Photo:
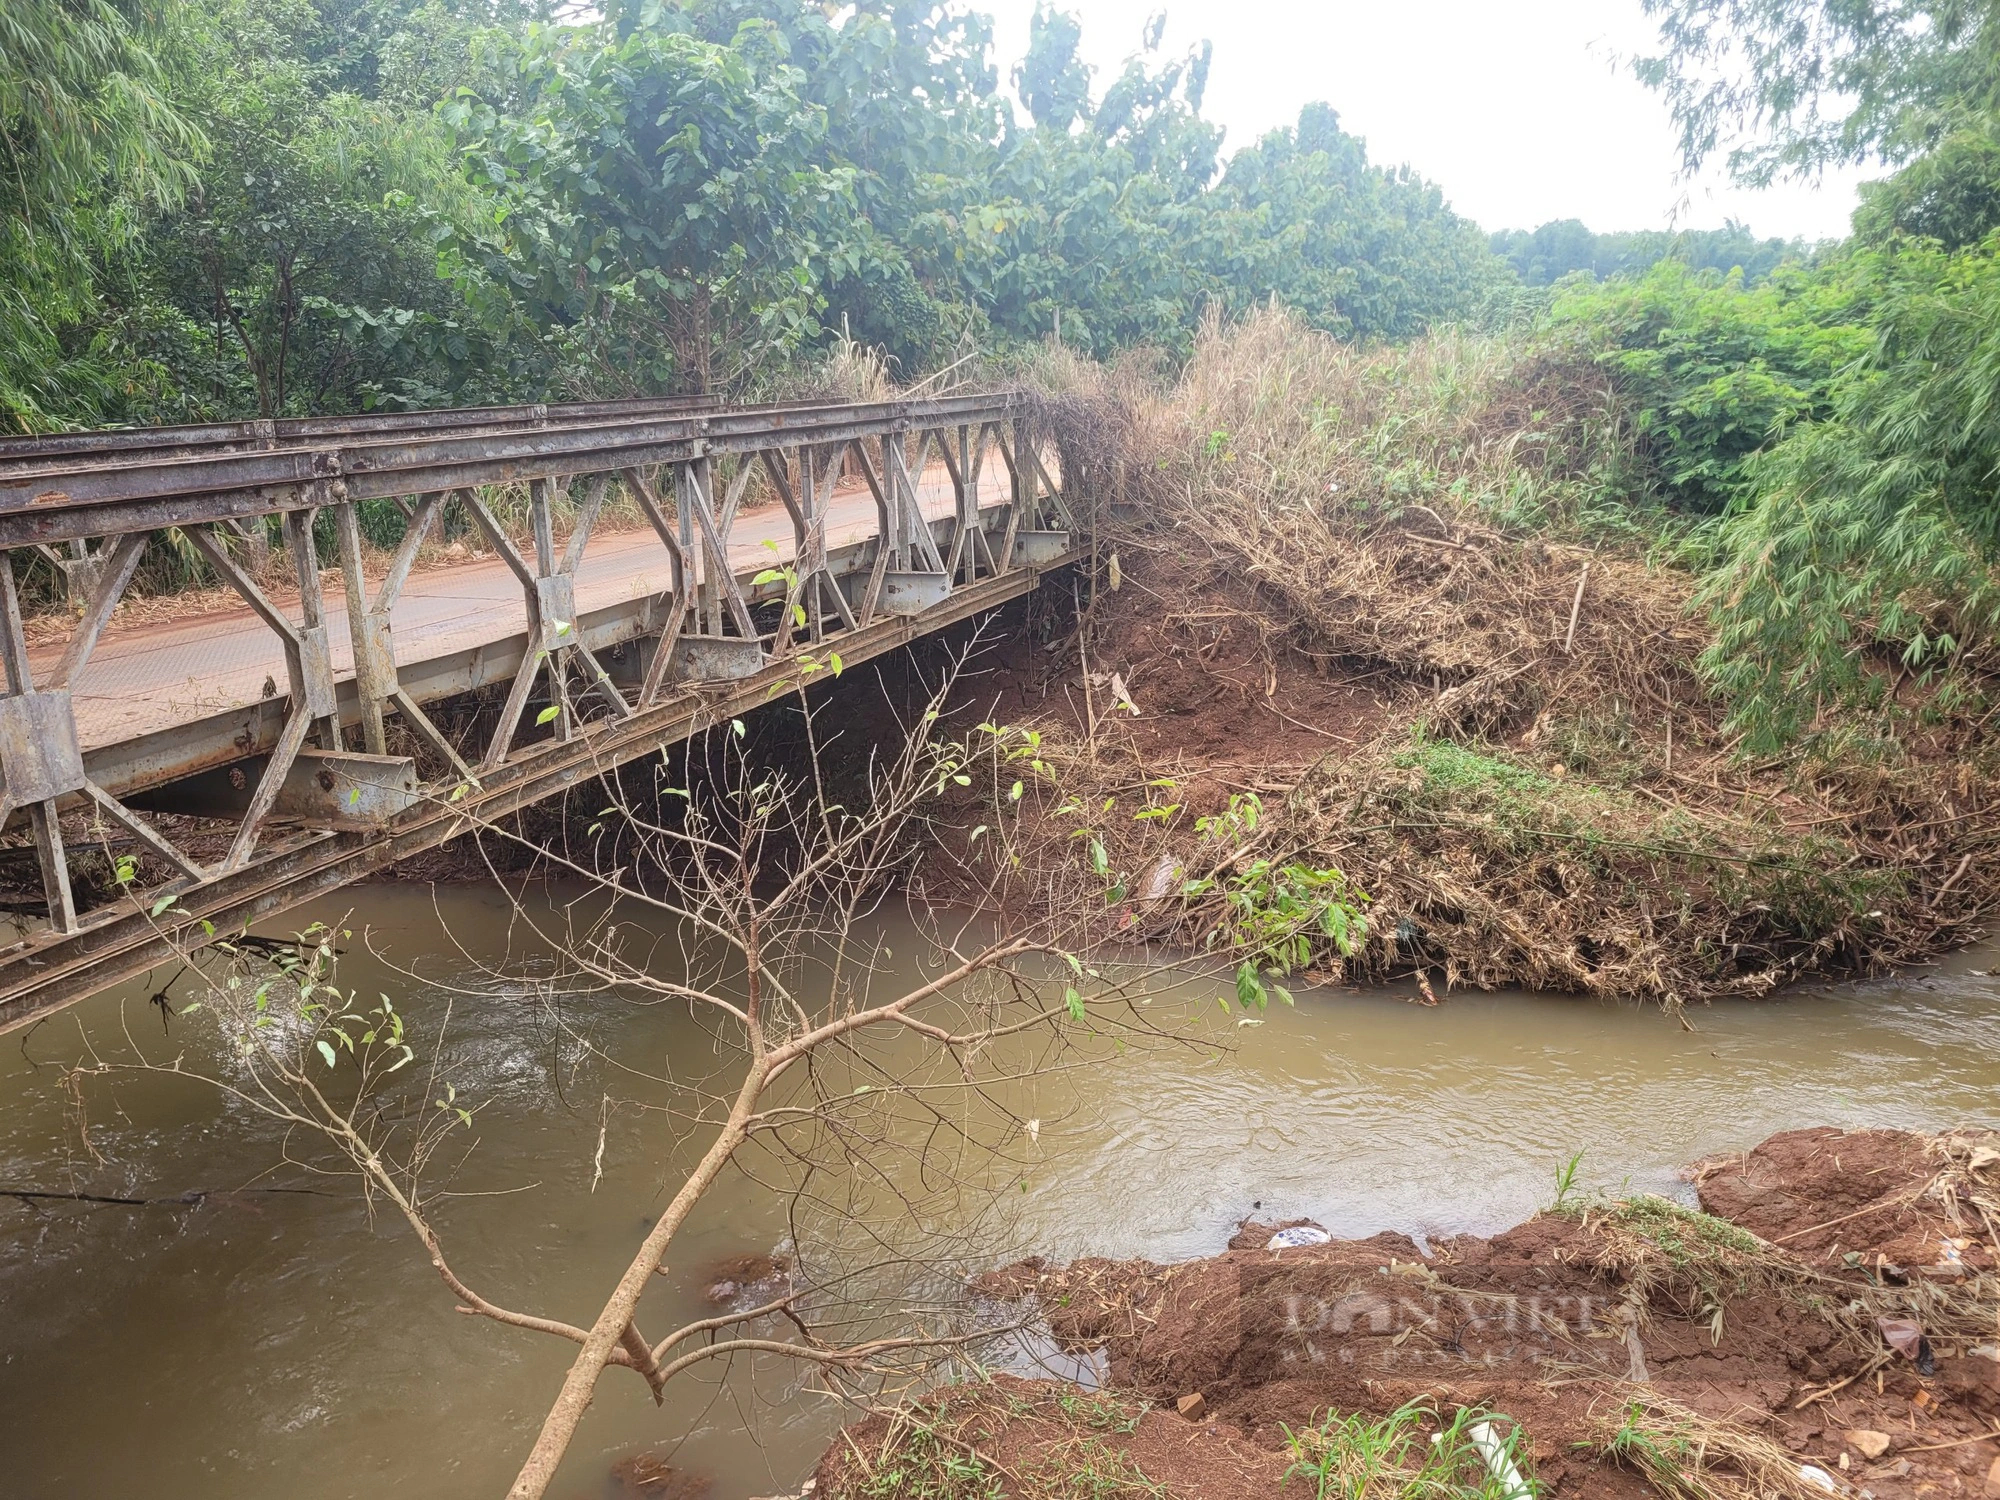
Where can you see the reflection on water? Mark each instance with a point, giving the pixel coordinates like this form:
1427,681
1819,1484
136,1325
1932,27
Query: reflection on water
262,1343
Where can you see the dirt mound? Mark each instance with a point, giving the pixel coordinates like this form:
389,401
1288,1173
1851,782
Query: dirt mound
1547,821
1880,1198
1038,1438
1612,1341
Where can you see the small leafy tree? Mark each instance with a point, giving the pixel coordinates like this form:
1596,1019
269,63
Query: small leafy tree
748,897
655,189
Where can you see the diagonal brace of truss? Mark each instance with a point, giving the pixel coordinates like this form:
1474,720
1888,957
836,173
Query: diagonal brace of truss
549,589
308,663
375,680
813,588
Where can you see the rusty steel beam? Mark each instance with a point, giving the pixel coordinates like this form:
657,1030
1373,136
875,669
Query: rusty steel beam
123,943
114,494
292,432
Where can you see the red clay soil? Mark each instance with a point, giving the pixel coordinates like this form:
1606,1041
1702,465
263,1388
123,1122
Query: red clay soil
1827,1194
1599,835
1218,690
1559,1324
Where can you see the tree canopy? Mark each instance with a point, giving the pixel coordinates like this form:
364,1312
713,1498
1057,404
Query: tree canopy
1563,247
280,206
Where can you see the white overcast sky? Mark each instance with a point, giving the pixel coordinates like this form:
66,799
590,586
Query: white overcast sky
1522,110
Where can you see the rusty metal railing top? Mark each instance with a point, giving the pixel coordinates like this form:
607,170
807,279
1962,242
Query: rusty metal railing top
65,497
33,449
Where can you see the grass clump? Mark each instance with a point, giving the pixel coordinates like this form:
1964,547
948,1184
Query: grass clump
1075,1461
923,1459
1497,867
1357,1457
1062,1444
1695,1262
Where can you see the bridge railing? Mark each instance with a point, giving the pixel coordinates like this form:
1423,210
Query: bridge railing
283,768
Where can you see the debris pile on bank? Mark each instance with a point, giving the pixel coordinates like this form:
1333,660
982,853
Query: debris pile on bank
1382,593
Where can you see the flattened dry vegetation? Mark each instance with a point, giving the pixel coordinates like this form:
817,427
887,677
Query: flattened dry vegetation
1398,613
1605,1348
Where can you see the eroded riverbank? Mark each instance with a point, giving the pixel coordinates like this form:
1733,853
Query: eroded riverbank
1823,1322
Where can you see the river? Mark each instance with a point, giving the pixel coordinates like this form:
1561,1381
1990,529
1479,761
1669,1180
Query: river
263,1344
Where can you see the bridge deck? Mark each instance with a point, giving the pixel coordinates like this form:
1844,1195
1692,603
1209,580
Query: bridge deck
144,679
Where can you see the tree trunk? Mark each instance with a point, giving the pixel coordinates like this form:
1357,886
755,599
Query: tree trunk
580,1385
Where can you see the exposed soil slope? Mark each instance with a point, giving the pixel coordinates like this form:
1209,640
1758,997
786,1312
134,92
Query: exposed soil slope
1610,1337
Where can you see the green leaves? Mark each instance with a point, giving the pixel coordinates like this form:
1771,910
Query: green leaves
647,164
1274,909
1249,987
1876,521
1812,84
95,147
1710,370
450,1105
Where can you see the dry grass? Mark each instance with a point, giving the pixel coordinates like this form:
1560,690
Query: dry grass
1689,1456
1695,1265
1071,1447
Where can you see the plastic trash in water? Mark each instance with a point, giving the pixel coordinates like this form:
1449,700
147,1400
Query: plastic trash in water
1298,1234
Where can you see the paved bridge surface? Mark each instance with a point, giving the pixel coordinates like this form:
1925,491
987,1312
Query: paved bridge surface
258,754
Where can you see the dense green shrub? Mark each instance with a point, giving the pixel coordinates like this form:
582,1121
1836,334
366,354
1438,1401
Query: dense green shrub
1879,520
1711,369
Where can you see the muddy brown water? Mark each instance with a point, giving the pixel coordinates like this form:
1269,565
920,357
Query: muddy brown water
287,1344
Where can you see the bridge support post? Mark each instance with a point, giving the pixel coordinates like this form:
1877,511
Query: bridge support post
313,707
555,635
706,594
375,680
813,588
961,462
921,580
40,753
368,649
35,776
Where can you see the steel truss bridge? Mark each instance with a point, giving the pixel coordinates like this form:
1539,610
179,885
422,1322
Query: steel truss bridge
275,719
